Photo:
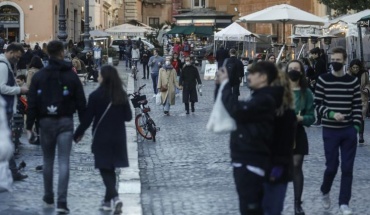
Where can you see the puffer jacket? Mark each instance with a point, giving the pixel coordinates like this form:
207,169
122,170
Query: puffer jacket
250,143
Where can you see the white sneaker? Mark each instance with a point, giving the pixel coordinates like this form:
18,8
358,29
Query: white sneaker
345,210
325,201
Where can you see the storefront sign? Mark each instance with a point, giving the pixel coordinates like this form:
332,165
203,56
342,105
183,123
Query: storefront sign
210,71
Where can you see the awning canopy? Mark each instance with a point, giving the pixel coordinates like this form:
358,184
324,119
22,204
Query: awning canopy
191,29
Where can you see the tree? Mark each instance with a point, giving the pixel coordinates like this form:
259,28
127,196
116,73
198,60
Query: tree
343,6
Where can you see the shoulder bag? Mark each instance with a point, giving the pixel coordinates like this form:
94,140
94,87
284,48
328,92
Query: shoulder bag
164,88
101,118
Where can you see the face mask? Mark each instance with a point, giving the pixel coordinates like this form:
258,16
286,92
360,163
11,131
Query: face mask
336,66
168,62
188,63
294,75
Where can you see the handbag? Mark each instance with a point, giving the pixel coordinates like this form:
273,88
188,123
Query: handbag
164,88
6,178
220,120
101,118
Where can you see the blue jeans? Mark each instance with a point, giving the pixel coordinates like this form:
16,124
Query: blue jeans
98,62
155,82
344,139
166,105
56,132
273,198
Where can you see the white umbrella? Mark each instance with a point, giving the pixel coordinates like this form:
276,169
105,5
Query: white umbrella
98,33
127,30
283,13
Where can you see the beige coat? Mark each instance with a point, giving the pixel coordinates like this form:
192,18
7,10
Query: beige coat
365,88
30,74
168,77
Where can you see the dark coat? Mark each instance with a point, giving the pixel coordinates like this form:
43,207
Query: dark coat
109,144
221,55
255,119
282,146
188,79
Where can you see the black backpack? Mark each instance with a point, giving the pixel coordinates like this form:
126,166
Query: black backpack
53,94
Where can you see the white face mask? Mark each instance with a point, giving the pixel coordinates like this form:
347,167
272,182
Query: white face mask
168,62
188,63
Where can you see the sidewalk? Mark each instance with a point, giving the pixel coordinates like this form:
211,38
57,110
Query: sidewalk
86,189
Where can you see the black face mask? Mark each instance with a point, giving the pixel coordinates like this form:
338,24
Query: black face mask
336,66
294,75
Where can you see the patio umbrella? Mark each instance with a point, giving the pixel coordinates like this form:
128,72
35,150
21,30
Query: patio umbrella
285,14
98,33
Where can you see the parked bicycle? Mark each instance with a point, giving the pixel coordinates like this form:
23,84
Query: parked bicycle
144,124
134,69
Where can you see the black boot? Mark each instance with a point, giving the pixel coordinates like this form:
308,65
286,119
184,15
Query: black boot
298,208
361,138
187,108
192,107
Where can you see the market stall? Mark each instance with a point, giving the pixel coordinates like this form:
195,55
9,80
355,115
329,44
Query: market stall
237,33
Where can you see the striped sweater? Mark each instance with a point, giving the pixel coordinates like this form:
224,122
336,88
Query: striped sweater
338,94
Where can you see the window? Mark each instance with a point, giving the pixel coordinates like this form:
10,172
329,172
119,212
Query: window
199,3
153,22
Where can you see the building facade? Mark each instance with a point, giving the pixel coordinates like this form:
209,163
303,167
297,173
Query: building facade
37,21
105,13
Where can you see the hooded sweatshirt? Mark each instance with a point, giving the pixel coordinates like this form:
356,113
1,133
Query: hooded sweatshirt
75,99
8,87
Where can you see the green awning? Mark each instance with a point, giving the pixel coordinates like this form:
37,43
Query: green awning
191,29
177,30
204,30
365,18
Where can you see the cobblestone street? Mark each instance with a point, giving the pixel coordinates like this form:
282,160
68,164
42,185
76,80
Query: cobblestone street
86,189
187,171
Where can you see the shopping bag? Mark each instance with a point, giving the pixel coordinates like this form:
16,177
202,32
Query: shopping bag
158,99
220,120
6,179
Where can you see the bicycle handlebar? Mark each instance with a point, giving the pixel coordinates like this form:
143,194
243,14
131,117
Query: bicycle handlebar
138,91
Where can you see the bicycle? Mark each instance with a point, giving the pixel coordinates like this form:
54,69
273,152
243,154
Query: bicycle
144,124
134,69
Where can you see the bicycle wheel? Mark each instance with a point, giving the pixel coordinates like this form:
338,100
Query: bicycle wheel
142,126
152,128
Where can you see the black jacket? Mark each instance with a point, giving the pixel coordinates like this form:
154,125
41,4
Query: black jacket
221,55
319,67
25,60
109,146
282,145
145,55
76,99
188,79
250,143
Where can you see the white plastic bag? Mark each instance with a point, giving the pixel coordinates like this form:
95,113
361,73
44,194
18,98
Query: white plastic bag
6,146
220,121
6,179
158,99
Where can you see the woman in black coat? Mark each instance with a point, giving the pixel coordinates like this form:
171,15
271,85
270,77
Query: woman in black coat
188,80
108,109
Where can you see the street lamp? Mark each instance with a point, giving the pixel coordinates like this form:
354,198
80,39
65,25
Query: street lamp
87,44
62,34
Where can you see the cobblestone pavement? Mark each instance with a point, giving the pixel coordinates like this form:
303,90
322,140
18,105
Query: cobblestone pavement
187,171
86,189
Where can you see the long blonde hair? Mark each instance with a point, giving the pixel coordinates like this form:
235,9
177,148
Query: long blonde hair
288,97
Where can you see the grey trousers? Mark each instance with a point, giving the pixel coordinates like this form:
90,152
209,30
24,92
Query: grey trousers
56,133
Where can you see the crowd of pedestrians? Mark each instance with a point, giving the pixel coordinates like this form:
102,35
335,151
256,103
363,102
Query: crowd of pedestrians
270,142
267,148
